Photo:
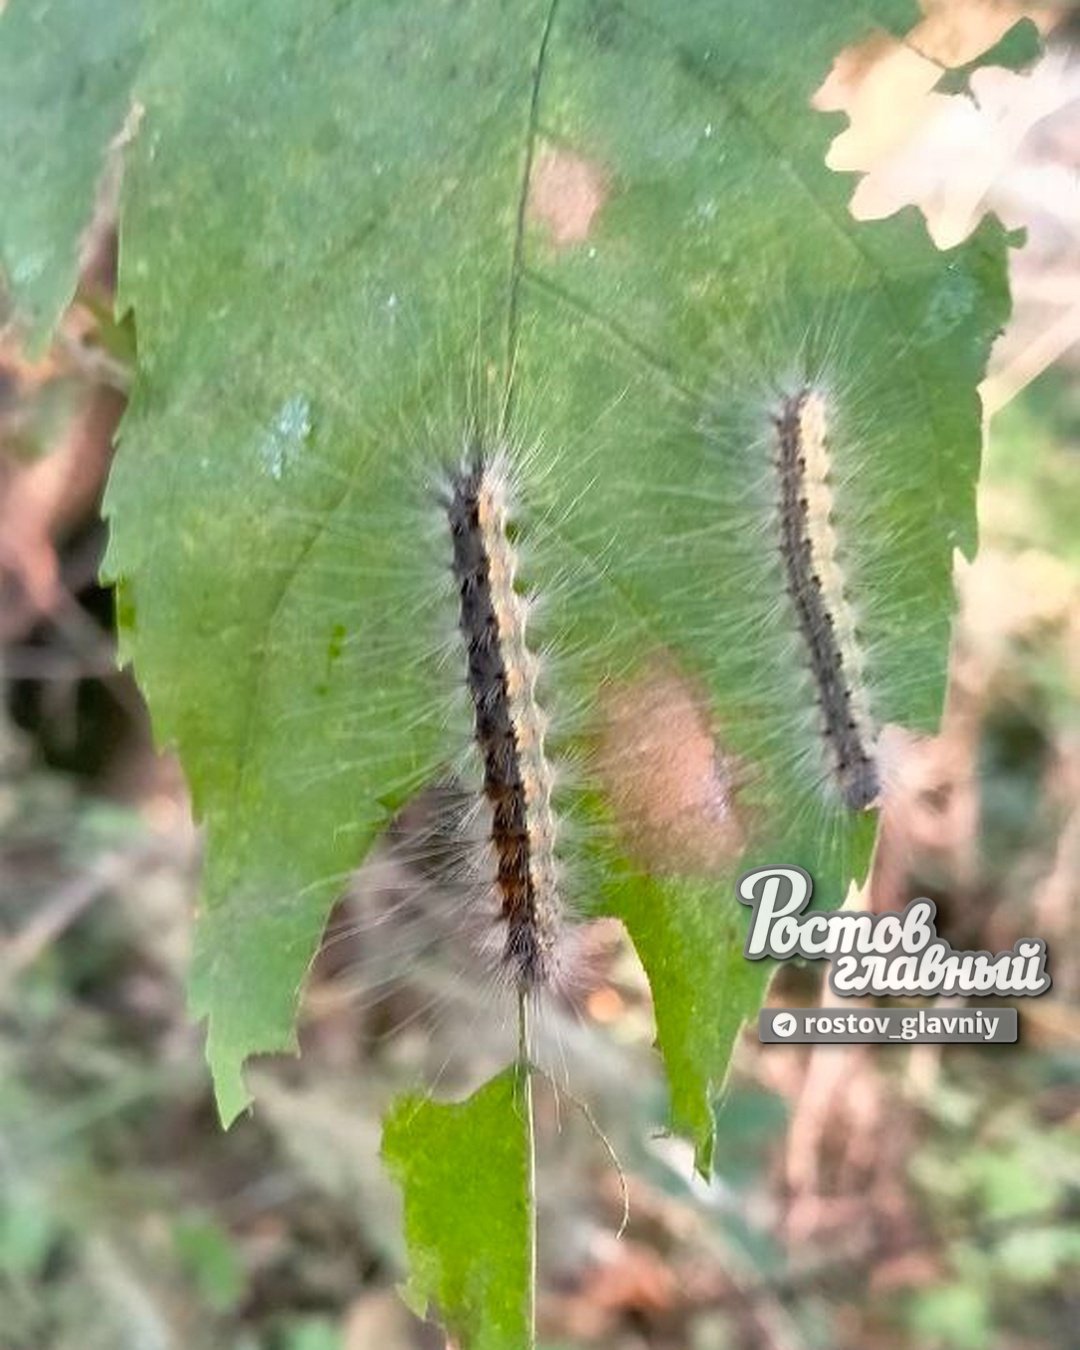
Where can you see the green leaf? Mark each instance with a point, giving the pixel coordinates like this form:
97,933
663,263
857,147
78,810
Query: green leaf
66,69
335,261
466,1173
703,988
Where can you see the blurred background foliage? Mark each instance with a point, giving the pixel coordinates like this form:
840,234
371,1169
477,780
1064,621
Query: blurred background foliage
866,1198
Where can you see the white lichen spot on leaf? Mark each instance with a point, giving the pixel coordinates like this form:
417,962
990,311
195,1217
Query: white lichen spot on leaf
289,432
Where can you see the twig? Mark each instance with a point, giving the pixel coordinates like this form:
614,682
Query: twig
1002,387
608,1146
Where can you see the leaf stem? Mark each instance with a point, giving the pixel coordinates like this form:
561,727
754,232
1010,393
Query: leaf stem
524,1066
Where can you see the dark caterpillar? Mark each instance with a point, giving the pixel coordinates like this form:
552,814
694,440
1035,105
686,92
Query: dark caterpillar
509,726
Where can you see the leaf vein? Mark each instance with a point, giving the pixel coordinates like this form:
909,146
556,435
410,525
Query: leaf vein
518,254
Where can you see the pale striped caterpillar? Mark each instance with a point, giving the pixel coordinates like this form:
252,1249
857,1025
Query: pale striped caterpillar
708,571
815,585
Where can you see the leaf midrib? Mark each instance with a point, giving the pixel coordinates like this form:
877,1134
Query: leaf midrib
518,254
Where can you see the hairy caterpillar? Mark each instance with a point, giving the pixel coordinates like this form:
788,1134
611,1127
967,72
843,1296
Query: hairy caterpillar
509,726
692,525
815,584
409,619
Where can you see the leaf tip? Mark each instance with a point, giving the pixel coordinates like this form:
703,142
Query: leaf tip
230,1090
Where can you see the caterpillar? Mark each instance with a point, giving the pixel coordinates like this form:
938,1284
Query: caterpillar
509,726
808,547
